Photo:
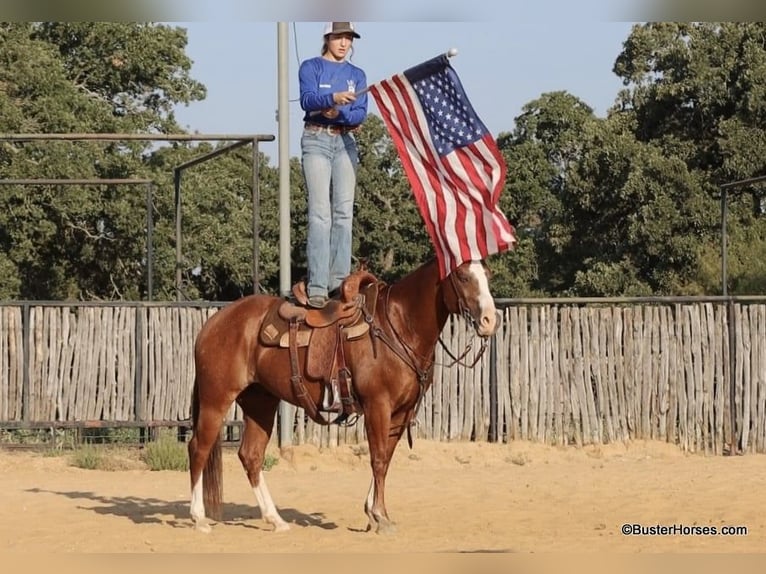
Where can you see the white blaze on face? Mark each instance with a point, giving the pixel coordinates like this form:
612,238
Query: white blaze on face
487,319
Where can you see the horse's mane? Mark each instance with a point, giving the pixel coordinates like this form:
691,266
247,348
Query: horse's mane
383,283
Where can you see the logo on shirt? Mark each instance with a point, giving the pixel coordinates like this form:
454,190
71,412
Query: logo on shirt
351,85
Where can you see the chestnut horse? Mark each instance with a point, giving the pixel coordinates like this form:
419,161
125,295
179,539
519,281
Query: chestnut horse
391,369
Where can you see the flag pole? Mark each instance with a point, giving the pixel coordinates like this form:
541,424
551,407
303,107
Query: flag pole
451,53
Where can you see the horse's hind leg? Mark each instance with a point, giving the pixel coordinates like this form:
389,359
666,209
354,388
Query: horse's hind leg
204,454
259,409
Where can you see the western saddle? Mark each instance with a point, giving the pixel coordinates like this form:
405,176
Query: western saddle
321,333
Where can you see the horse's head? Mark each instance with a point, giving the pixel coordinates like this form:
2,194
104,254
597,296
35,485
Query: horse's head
466,291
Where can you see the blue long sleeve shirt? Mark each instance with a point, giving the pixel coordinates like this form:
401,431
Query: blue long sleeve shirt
319,79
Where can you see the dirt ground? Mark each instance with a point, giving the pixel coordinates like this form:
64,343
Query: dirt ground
453,498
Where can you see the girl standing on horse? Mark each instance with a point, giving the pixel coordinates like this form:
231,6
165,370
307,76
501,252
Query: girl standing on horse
334,110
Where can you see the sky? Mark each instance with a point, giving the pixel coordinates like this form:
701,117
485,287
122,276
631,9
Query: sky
503,64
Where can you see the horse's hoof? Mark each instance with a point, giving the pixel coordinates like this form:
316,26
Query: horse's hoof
281,527
386,527
203,526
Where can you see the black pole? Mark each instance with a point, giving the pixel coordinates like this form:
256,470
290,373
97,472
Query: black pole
731,324
493,431
149,243
138,395
177,198
724,246
26,345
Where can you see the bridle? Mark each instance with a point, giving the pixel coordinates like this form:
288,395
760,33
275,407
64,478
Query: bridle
408,355
400,348
411,358
464,312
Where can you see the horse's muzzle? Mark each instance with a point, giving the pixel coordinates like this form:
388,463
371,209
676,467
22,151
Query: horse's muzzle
488,325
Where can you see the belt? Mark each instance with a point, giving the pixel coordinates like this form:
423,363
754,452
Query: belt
333,130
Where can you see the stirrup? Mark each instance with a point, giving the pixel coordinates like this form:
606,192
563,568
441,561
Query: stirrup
346,420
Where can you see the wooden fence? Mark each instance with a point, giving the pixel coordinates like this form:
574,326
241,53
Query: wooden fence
560,372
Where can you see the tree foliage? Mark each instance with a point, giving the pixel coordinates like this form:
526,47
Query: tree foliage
627,204
696,91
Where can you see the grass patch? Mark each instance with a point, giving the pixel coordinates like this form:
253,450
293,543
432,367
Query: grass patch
166,453
92,457
87,457
270,461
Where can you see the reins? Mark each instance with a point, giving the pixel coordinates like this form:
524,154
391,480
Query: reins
459,359
466,314
410,358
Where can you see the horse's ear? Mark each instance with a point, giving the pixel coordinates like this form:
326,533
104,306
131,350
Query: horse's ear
487,268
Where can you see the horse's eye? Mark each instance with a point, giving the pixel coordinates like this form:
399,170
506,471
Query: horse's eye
462,277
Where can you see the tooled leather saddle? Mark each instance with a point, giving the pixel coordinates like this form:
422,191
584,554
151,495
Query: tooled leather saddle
322,333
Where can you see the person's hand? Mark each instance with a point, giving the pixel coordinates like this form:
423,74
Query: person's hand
330,113
343,98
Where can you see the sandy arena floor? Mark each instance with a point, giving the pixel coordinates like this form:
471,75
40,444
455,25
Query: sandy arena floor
463,498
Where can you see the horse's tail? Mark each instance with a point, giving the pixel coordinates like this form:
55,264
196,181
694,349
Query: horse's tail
212,482
212,474
195,405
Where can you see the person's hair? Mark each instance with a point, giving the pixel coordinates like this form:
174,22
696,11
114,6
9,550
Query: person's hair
325,48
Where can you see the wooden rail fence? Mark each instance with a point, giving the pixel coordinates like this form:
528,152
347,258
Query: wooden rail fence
560,372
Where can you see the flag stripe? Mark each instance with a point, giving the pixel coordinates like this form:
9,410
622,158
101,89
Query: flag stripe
443,212
411,152
453,164
447,214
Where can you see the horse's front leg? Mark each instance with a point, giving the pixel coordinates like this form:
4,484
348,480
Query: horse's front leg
383,434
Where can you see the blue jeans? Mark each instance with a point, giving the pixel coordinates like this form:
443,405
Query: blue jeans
329,169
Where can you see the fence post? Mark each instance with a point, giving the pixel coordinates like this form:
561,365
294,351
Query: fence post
138,401
730,377
149,242
493,432
25,380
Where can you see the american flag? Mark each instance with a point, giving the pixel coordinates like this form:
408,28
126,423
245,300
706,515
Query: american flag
451,160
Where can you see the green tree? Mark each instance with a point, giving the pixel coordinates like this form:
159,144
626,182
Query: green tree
541,152
696,91
82,242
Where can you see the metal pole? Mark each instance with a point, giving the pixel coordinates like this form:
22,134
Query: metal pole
177,186
730,368
286,410
256,220
731,323
493,400
724,214
149,242
26,395
283,143
138,394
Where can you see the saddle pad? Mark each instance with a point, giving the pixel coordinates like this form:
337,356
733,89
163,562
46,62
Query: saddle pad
303,335
275,330
273,326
